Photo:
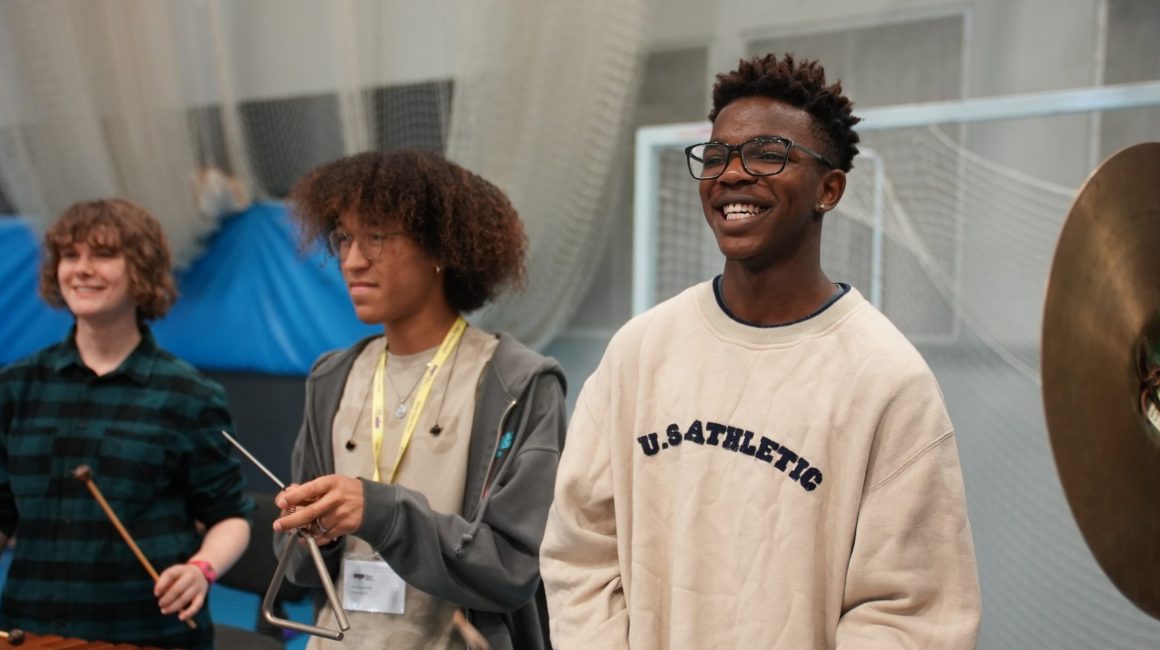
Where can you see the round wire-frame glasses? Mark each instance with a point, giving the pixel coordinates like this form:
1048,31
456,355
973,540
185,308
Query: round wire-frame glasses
370,244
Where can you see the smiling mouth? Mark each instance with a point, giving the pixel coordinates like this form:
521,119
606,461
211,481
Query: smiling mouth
740,211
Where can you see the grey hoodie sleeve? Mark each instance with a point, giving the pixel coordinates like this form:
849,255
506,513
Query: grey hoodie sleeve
492,563
304,467
301,569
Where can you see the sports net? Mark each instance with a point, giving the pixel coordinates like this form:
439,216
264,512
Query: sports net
193,109
937,210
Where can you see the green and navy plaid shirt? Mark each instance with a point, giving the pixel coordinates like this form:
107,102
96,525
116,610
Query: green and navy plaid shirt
149,431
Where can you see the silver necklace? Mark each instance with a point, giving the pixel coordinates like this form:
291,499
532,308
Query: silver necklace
401,408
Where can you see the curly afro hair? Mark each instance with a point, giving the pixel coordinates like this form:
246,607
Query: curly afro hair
454,215
123,227
797,83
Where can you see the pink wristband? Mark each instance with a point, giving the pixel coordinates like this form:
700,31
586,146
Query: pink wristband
206,570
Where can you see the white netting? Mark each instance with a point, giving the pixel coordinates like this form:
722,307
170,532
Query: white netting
90,107
942,212
967,245
192,108
556,146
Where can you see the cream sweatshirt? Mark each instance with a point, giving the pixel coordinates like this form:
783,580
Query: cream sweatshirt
729,486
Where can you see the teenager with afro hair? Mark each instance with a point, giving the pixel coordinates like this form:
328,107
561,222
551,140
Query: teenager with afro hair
763,460
427,454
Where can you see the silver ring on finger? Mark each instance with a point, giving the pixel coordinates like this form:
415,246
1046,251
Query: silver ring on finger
322,529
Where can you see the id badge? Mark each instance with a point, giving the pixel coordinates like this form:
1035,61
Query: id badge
371,585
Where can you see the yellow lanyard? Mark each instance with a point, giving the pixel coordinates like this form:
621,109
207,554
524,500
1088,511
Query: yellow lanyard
445,349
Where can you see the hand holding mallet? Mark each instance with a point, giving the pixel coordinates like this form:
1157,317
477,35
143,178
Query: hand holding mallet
84,474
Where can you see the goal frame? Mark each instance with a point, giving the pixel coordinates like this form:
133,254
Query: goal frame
651,140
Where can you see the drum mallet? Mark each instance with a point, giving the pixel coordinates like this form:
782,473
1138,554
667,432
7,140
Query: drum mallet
84,474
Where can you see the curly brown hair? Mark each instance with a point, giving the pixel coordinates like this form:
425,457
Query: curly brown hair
797,83
454,215
122,226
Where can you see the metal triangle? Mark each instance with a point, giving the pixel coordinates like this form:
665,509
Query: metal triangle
327,586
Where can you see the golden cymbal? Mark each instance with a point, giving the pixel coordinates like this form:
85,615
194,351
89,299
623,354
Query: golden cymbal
1100,366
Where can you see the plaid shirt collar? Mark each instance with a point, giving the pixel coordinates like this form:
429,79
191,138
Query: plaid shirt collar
138,366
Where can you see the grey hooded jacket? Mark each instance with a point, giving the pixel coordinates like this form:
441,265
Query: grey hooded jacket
485,557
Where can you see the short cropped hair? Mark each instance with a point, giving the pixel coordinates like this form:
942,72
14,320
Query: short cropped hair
454,215
797,83
121,226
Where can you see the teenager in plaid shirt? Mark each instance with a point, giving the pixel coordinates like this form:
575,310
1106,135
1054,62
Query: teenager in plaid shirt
145,422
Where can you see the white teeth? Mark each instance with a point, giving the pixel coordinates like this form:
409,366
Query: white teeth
735,211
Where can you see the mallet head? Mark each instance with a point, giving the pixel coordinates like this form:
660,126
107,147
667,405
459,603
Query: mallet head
83,473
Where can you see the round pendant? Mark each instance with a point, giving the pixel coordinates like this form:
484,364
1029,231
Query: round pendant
400,410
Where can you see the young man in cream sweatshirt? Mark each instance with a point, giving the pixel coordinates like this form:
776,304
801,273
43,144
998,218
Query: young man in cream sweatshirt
763,461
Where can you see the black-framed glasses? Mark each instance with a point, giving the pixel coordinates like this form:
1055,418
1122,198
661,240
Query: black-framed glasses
764,156
370,244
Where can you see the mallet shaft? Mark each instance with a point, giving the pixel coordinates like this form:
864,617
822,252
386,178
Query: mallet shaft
85,475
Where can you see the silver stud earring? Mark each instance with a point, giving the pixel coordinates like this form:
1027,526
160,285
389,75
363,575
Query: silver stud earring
438,269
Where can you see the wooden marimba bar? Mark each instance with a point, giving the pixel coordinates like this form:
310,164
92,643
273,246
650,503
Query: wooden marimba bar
53,642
